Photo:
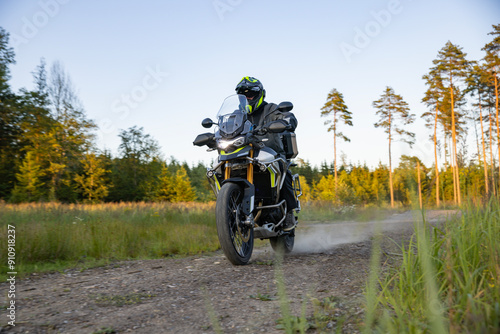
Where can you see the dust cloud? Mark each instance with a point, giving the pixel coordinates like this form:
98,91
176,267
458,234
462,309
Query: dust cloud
322,238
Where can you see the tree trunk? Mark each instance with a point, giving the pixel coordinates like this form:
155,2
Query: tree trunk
454,137
390,166
452,164
445,144
335,156
484,149
436,156
390,175
492,161
419,185
477,141
498,129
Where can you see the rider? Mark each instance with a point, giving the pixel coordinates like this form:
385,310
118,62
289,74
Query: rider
262,113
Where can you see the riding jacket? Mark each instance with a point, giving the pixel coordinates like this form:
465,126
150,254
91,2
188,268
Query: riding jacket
267,113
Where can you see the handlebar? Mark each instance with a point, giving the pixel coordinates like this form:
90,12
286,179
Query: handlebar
278,126
260,132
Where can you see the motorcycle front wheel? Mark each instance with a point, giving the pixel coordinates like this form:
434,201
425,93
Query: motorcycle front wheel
236,239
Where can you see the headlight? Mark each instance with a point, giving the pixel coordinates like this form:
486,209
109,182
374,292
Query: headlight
224,144
239,142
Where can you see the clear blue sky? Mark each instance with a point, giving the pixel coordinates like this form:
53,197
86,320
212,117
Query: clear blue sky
166,65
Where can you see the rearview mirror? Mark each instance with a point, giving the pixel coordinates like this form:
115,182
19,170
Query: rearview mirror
285,106
207,123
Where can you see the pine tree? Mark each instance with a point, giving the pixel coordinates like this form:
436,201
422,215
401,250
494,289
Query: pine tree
412,177
451,65
492,60
92,183
29,186
393,110
183,191
165,189
10,132
361,183
305,169
477,85
6,59
380,180
491,128
337,110
433,98
325,189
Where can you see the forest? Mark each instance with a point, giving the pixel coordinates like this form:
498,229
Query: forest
48,151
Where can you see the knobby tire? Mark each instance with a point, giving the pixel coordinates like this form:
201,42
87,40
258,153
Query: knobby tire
227,209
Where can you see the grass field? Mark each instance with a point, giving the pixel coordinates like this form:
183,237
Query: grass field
54,236
448,280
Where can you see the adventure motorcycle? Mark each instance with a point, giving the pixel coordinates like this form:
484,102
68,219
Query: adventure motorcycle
247,179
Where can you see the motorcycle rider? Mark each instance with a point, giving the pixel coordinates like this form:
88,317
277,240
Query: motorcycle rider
262,113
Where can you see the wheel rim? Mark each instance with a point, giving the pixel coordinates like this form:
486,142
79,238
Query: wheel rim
241,247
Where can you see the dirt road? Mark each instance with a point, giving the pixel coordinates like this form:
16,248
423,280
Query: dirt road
196,294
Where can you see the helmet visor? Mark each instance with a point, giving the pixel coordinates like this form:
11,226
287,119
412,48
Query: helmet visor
250,93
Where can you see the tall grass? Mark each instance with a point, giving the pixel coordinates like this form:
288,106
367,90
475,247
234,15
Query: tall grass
54,233
448,279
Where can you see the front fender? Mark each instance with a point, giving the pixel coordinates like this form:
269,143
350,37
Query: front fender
248,193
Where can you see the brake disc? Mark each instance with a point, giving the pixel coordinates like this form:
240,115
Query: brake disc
244,236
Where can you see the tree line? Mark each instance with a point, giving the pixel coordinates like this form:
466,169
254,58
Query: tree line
461,94
48,150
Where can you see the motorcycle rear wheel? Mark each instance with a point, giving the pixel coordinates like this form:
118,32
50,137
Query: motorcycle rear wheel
283,243
228,216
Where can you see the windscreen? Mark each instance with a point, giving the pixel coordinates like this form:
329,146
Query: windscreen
232,115
233,103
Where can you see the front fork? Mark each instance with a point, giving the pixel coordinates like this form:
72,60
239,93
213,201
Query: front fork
248,186
214,181
297,190
249,189
227,170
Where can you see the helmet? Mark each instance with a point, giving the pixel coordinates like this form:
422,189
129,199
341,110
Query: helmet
253,90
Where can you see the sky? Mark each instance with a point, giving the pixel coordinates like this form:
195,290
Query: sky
166,65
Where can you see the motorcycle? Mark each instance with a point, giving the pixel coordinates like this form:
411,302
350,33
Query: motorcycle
247,178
